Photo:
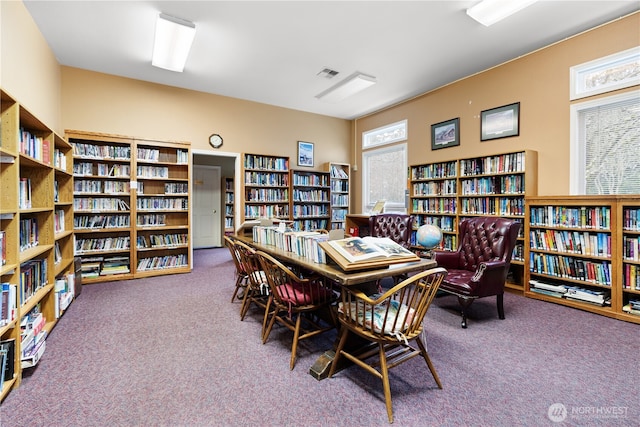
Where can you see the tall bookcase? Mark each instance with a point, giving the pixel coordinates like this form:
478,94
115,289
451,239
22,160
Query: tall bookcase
310,201
444,193
340,174
132,200
229,205
162,202
36,233
265,187
581,248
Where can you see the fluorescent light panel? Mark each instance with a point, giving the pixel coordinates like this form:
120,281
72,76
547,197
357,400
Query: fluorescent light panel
172,43
347,87
488,12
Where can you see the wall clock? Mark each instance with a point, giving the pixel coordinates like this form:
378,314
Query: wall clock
215,140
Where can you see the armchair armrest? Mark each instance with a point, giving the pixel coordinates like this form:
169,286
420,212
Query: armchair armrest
447,259
489,278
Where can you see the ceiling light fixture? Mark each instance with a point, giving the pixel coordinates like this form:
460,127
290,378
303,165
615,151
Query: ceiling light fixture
488,12
347,87
172,43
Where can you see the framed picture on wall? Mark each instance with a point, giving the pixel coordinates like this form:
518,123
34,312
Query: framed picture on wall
305,153
445,134
500,122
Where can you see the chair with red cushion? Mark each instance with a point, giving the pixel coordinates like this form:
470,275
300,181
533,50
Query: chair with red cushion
480,265
392,320
257,290
303,305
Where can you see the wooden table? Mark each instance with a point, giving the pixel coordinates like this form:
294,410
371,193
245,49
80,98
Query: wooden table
320,368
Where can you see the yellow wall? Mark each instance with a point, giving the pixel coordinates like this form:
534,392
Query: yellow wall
539,81
104,103
29,71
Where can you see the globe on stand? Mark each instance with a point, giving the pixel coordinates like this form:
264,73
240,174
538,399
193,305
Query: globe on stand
429,237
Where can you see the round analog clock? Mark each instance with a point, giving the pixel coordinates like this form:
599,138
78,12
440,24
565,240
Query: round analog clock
215,140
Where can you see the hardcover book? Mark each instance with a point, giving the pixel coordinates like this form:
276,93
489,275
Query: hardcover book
363,252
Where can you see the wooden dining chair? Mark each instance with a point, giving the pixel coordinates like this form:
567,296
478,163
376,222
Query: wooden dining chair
297,303
392,320
257,290
242,279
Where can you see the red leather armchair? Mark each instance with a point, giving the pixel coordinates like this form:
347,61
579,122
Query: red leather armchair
397,227
480,265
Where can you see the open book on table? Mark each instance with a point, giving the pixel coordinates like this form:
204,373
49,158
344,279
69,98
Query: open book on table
358,252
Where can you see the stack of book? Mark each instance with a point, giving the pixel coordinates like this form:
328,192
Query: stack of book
633,307
591,296
550,289
302,243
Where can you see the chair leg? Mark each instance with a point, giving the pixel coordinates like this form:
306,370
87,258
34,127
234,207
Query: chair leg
499,301
343,340
246,303
270,325
384,370
423,350
465,303
294,346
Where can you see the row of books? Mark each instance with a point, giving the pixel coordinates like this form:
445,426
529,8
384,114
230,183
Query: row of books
3,248
267,195
100,221
268,211
152,220
631,276
311,180
111,152
492,205
33,276
7,360
445,223
59,159
563,216
24,193
338,172
576,293
265,162
300,211
266,178
441,205
162,262
631,248
92,267
575,242
99,204
100,187
340,186
434,171
302,243
493,185
631,219
434,188
101,244
310,224
64,289
310,195
162,240
163,203
514,162
571,268
58,220
35,146
29,233
101,170
8,303
153,172
33,337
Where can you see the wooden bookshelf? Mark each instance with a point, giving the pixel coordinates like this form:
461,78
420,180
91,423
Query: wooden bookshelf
310,200
629,268
444,193
36,223
132,198
229,205
162,204
265,187
580,241
340,174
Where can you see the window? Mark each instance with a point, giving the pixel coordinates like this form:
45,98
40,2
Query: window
612,72
605,145
384,169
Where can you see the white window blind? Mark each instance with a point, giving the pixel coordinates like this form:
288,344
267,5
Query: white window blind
606,145
385,177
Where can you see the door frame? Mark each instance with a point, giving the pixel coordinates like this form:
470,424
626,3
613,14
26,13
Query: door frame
236,181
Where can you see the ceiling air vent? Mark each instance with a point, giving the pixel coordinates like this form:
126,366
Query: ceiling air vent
328,73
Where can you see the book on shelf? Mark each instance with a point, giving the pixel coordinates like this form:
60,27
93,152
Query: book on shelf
7,373
363,252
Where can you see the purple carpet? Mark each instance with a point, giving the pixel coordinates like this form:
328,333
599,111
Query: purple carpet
171,351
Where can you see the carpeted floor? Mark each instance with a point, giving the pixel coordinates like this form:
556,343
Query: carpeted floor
171,351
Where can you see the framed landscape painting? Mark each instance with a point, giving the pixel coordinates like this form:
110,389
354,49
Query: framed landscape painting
445,134
500,122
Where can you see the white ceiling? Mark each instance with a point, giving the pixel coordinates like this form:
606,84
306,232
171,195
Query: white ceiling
271,51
